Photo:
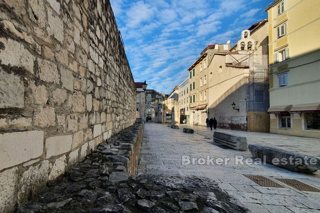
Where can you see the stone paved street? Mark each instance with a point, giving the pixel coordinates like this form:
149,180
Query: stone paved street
309,146
168,151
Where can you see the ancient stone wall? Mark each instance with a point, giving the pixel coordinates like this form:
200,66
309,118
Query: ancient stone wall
65,86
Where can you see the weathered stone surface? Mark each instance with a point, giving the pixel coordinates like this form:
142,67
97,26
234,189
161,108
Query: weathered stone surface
58,145
77,139
11,91
55,25
188,130
45,117
19,147
48,71
122,197
16,55
8,185
73,157
89,102
45,49
67,79
40,94
230,141
78,102
72,123
55,5
37,12
38,174
97,130
58,168
59,96
118,176
20,123
292,161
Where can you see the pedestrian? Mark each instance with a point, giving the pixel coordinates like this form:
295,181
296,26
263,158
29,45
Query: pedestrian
211,123
215,123
207,122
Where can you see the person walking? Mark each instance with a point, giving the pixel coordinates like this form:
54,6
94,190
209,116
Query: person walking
215,123
207,122
211,123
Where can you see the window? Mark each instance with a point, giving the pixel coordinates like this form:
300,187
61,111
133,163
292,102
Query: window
246,34
312,120
283,79
284,120
194,98
190,74
190,99
190,87
280,7
243,45
282,54
193,72
282,30
249,45
194,85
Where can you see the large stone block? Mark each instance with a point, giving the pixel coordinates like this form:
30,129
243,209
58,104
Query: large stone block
49,71
77,139
58,145
14,54
58,168
78,102
40,94
11,91
97,130
188,130
292,161
67,79
55,25
230,141
32,179
45,117
20,147
8,184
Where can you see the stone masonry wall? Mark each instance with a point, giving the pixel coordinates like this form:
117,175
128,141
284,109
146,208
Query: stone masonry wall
65,86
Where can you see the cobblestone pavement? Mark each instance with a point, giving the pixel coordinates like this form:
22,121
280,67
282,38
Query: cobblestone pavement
309,146
99,184
168,151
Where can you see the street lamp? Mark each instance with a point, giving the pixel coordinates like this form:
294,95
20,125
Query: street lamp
234,107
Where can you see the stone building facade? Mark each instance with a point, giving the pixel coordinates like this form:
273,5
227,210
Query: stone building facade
154,101
65,86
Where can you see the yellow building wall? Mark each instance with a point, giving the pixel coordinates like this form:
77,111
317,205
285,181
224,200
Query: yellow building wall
304,26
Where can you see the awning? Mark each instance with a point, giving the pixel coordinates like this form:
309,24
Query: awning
202,107
199,107
284,108
305,107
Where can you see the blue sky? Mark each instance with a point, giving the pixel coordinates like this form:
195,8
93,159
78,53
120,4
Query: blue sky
164,37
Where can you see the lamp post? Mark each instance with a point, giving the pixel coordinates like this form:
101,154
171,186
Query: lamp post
234,107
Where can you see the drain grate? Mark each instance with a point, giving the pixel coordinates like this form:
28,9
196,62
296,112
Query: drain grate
298,185
263,181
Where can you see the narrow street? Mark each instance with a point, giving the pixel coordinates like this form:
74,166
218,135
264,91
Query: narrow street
172,152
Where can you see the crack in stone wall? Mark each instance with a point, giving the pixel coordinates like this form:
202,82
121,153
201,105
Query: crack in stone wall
65,86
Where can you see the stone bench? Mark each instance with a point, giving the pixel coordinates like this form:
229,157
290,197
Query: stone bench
230,141
289,160
188,130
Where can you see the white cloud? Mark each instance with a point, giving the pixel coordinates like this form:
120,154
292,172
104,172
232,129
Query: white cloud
138,13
